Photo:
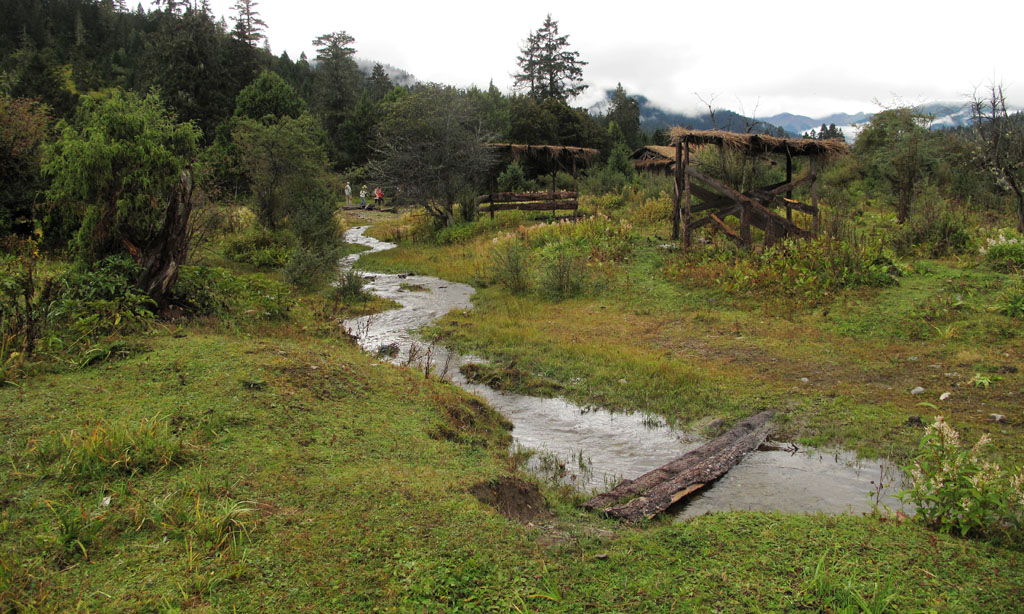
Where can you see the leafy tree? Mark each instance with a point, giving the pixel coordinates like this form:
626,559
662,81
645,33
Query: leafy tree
429,143
268,95
999,138
547,68
275,156
119,173
897,147
286,164
248,25
22,131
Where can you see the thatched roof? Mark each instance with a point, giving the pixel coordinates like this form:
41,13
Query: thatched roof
563,154
760,143
651,157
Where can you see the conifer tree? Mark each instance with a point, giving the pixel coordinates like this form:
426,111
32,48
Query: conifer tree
548,69
248,25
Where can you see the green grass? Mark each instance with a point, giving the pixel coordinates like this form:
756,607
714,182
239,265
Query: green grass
272,466
328,486
840,372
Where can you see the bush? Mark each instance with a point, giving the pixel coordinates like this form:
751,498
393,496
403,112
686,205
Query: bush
349,288
308,267
936,231
510,262
1011,301
261,248
955,490
68,315
211,291
1004,253
562,269
813,269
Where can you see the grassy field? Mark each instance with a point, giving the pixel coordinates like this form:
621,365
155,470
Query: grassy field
275,467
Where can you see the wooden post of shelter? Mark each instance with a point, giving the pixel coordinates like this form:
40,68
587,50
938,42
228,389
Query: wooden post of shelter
676,208
814,194
688,223
789,180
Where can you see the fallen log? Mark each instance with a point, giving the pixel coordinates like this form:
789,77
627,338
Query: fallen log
657,490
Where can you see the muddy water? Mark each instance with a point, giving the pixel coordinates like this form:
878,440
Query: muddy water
594,447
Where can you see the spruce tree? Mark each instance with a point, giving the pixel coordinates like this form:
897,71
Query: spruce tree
248,25
548,69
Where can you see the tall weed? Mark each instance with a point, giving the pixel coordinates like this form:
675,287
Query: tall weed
955,489
1004,253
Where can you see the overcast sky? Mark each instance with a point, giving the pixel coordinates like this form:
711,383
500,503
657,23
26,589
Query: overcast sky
804,57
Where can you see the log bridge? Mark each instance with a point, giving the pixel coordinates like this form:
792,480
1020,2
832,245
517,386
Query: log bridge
529,201
657,490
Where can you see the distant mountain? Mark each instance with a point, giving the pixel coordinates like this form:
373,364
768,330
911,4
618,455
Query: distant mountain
799,124
655,118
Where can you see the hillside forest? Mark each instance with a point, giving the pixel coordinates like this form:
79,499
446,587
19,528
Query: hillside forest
190,422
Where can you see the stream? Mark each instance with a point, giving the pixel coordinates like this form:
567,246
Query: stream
595,447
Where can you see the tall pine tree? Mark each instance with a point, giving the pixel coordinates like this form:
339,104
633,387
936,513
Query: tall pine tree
548,68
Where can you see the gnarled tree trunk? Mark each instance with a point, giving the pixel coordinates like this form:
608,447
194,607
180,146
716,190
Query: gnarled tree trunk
163,258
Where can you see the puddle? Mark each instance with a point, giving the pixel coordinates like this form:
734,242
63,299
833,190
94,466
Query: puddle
597,447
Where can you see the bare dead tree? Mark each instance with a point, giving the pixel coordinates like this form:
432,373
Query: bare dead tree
999,137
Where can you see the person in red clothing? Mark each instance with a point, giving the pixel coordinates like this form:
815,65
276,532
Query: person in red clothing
378,197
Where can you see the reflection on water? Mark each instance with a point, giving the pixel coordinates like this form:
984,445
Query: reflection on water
598,447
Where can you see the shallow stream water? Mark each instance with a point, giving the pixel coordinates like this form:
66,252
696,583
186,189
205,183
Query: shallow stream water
596,447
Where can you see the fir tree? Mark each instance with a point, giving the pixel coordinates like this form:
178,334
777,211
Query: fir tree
548,69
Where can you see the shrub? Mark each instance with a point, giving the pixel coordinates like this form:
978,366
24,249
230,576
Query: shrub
813,269
955,490
349,288
211,291
562,269
261,248
1011,301
309,266
936,230
1004,253
510,262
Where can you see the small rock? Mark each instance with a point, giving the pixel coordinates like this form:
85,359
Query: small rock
601,556
934,366
912,359
915,421
623,381
952,374
998,418
805,379
105,502
389,350
945,395
917,390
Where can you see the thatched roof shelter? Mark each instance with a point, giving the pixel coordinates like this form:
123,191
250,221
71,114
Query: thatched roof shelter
655,158
563,154
754,144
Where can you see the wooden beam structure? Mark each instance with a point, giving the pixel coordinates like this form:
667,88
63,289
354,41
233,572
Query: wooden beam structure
753,208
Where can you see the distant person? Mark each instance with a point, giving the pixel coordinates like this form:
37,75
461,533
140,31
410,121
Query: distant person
362,197
348,194
378,197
